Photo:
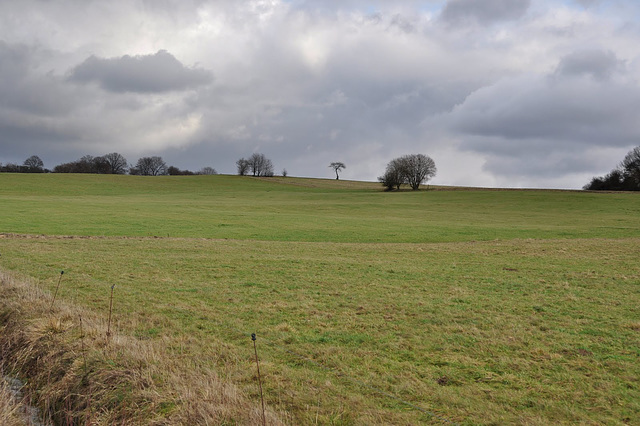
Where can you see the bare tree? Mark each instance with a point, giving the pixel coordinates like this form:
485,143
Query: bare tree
86,164
337,166
393,176
254,163
151,166
417,168
413,169
174,171
625,177
12,168
260,165
243,166
207,171
34,164
631,168
101,166
116,163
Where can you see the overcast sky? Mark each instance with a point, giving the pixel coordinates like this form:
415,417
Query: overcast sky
500,93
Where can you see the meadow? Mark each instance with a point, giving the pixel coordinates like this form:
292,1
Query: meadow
445,305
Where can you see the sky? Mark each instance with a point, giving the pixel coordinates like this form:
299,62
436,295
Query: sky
500,93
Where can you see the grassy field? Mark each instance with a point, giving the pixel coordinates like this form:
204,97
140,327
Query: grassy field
230,207
472,306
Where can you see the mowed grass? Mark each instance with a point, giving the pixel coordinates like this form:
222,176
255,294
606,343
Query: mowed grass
379,301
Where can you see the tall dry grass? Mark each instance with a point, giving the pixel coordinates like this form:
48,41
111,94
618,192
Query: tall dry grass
76,375
10,409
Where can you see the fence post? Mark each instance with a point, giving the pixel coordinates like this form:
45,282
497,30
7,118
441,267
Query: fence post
110,310
56,292
255,349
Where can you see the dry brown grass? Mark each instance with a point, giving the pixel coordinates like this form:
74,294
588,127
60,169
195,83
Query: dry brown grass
76,376
10,409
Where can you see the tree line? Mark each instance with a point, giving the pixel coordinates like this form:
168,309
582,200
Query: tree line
109,164
412,170
625,177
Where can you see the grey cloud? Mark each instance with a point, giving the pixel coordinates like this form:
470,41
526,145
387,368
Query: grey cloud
599,64
14,61
42,113
31,103
160,72
333,5
553,164
483,11
566,109
535,126
587,3
349,101
402,23
26,88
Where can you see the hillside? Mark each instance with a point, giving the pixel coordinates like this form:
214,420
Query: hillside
448,305
293,209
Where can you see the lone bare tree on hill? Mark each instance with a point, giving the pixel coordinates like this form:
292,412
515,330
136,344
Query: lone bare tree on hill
337,166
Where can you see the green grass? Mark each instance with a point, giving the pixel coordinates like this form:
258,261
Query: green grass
484,307
301,210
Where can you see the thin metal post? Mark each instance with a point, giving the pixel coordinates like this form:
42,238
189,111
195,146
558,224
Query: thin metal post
255,349
56,292
110,310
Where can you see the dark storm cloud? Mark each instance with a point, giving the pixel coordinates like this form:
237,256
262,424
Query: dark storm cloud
483,11
160,72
